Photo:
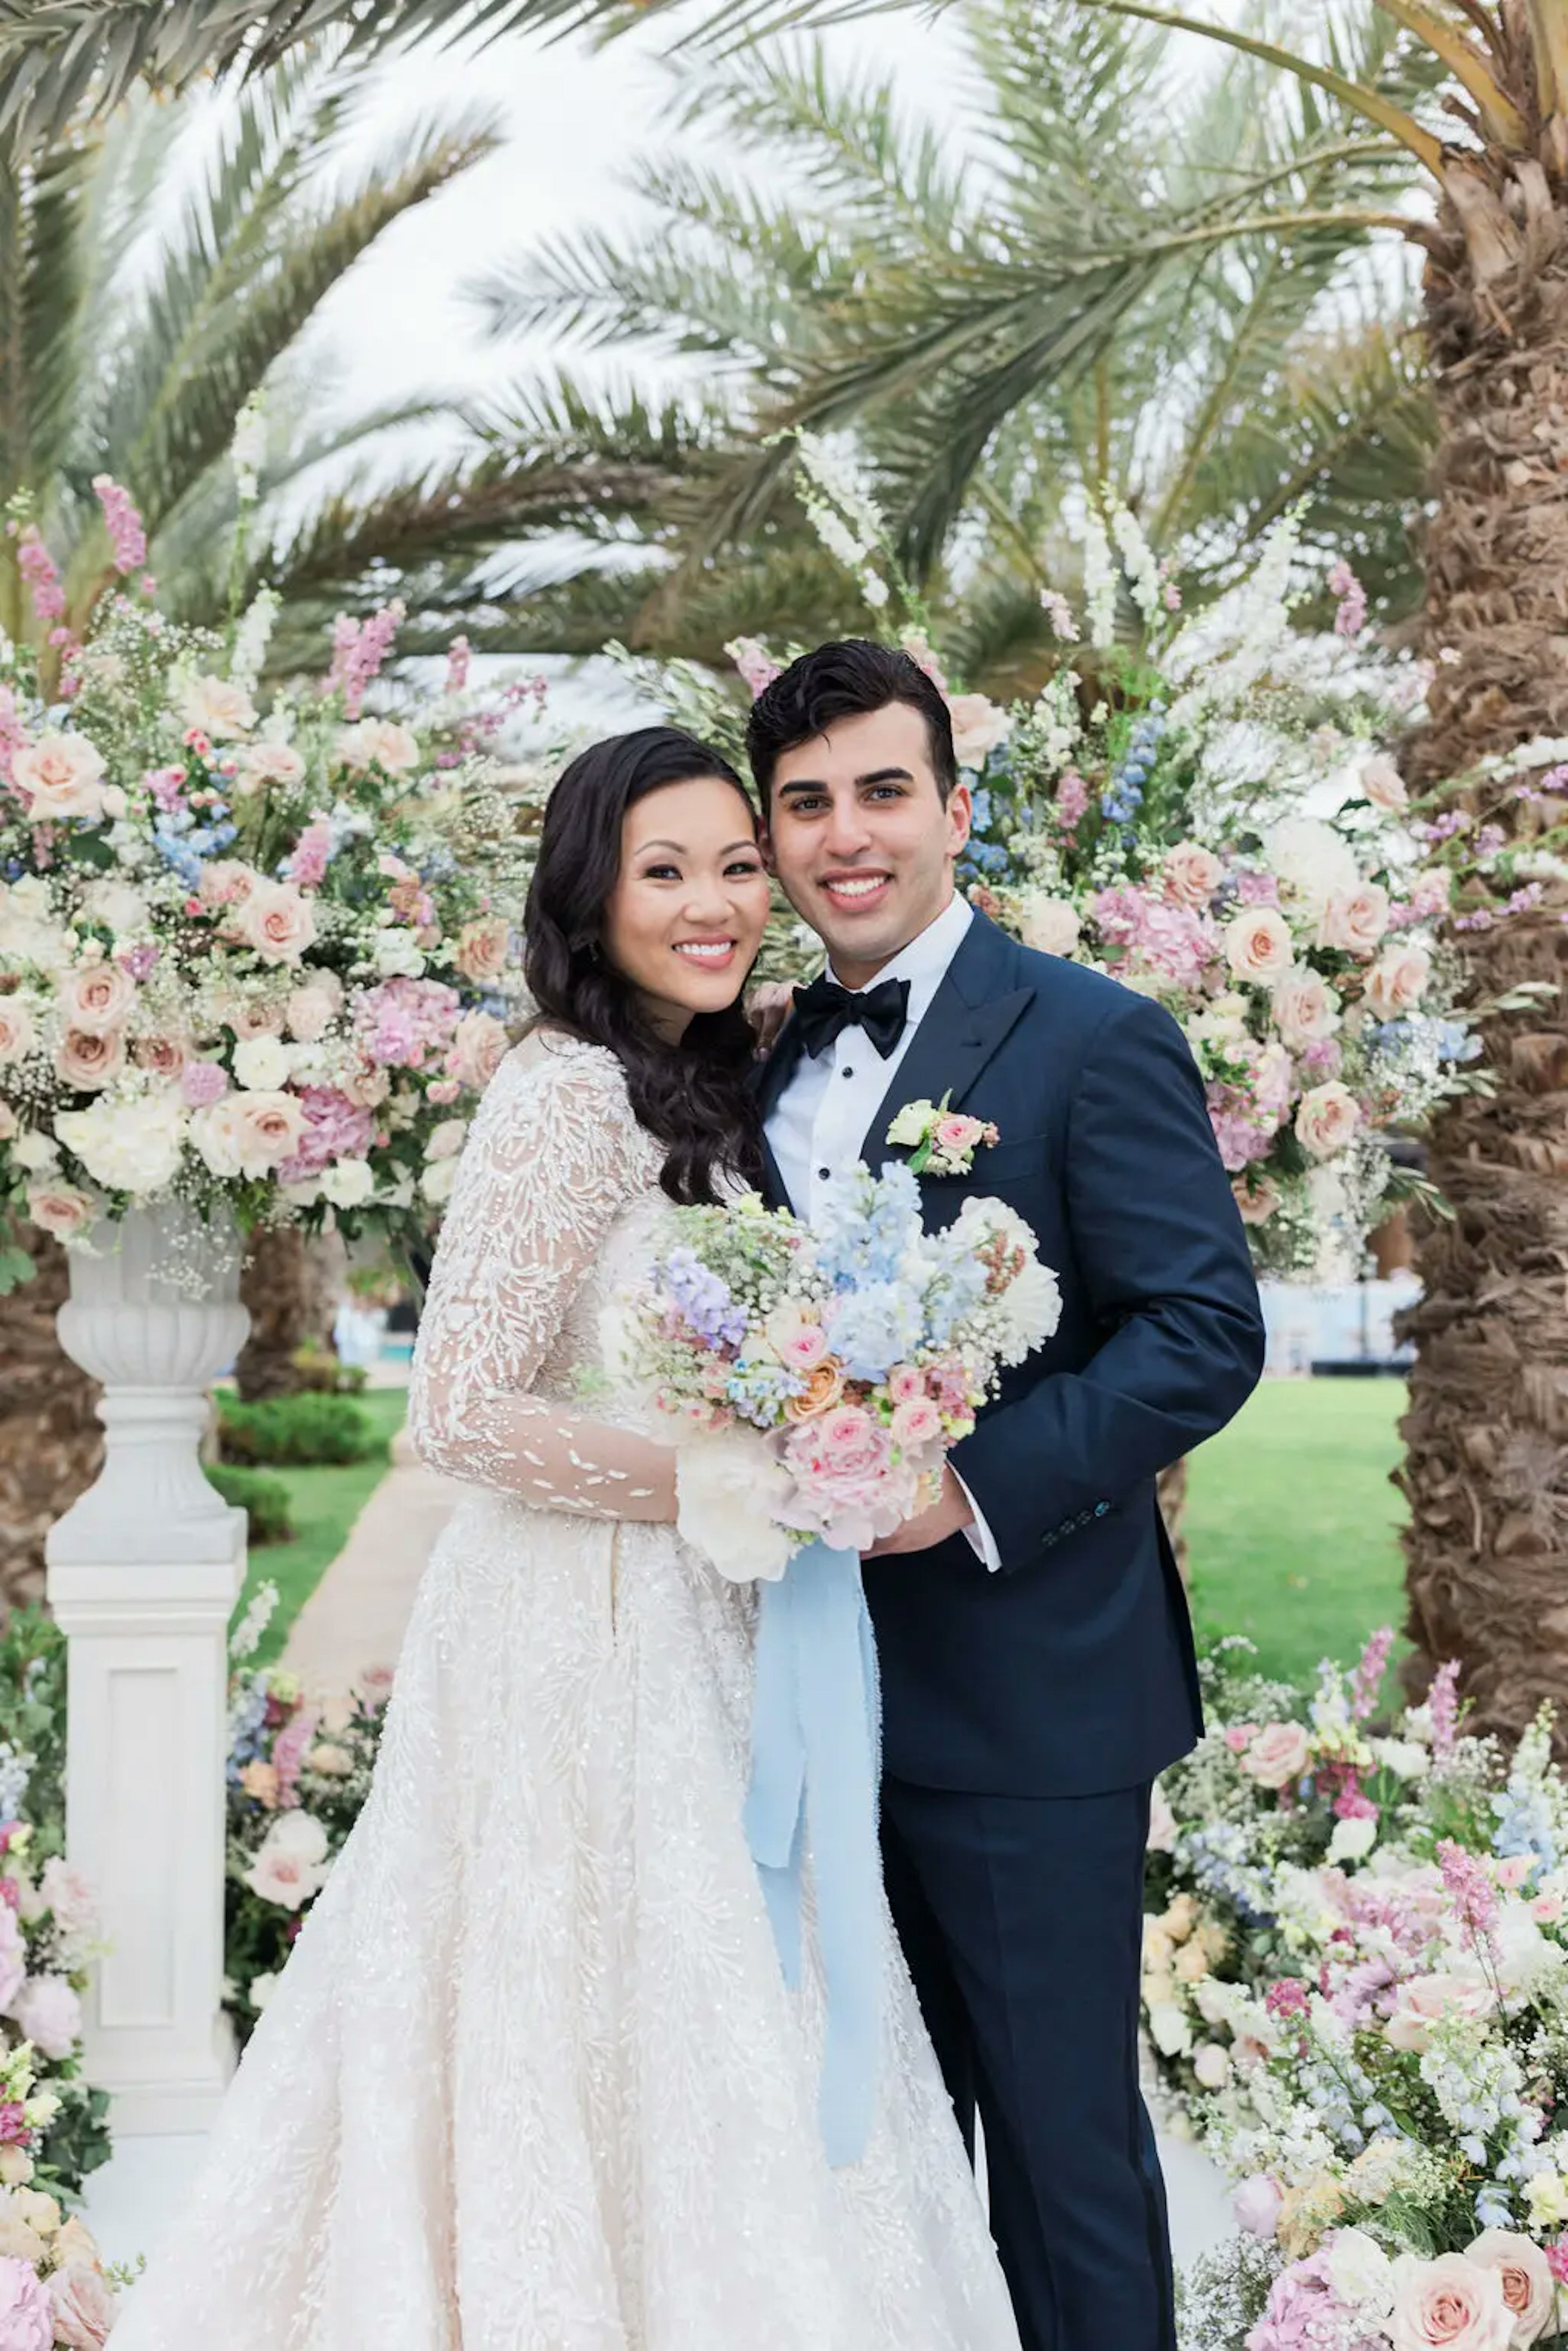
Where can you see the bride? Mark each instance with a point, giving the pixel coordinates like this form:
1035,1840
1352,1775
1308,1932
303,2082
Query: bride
532,2080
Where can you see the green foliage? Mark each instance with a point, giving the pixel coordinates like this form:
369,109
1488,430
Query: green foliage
264,1501
33,1718
306,1429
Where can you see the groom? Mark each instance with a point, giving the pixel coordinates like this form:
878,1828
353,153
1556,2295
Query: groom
1036,1657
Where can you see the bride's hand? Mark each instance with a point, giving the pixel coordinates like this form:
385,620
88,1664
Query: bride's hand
767,1009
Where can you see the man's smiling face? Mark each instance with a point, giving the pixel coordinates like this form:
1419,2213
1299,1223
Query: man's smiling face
860,838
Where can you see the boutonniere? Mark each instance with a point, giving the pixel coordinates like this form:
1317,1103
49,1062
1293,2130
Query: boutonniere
943,1140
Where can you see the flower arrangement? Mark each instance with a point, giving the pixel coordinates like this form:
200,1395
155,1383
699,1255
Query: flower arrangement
1214,820
253,956
828,1368
55,2288
296,1784
1355,1980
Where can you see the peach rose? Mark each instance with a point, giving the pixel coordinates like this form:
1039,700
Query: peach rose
268,763
165,1056
248,1135
1425,2000
64,773
278,922
367,1087
1257,1201
1398,980
482,947
97,997
1529,2289
1384,785
1277,1755
1448,2304
1050,925
253,1015
1305,1007
478,1043
218,707
227,881
1192,874
88,1061
17,1031
60,1209
824,1387
308,1014
1326,1118
259,1780
979,726
1258,944
85,2308
381,743
1355,922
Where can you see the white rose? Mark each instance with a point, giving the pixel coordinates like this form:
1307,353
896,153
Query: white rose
1352,1840
1361,2273
730,1488
1049,924
1383,784
34,1151
437,1180
261,1064
1258,944
396,955
1169,2029
116,904
347,1183
380,742
979,726
64,774
217,706
1211,2064
131,1146
1312,863
1356,919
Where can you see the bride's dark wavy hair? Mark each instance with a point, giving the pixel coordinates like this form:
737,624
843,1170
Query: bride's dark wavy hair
692,1097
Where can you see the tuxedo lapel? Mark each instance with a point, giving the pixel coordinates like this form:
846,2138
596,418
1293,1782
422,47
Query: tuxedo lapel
972,1012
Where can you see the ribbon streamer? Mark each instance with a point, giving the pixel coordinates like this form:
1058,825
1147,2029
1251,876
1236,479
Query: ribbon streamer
815,1760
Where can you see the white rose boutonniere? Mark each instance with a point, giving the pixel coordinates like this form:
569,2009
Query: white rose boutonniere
943,1142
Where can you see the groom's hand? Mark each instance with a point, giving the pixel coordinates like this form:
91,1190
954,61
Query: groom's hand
948,1515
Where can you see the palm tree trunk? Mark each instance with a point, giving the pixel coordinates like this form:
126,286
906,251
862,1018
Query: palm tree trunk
50,1440
292,1285
1487,1428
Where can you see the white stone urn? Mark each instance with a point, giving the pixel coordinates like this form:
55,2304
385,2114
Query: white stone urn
143,1574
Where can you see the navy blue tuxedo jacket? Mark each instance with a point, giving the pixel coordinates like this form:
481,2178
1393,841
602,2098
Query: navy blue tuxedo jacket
1071,1671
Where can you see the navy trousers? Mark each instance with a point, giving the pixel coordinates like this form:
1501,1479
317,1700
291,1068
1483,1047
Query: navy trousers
1022,1920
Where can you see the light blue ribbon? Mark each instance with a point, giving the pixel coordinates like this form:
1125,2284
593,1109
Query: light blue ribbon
816,1757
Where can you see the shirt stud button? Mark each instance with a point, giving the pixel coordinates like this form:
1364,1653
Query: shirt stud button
848,1073
825,1174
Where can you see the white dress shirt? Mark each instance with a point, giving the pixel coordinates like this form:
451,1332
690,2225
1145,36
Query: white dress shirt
819,1123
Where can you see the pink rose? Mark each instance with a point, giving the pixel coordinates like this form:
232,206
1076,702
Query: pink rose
165,1057
1424,2000
1529,2289
248,1133
1397,981
291,1862
1258,1201
1258,944
1305,1009
979,726
1384,785
278,922
69,1897
63,775
252,1017
85,2308
16,1032
956,1133
90,1061
1326,1118
97,997
905,1384
49,2015
1356,921
202,1084
481,948
803,1350
849,1438
1448,2304
1546,1909
916,1425
26,2314
1277,1755
478,1043
226,882
267,763
60,1209
1192,874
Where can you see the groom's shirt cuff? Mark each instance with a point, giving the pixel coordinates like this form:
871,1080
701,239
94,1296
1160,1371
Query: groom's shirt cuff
979,1535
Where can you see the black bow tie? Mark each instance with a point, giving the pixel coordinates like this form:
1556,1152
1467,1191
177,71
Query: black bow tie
824,1008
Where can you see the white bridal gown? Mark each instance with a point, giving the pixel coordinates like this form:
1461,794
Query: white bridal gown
532,2080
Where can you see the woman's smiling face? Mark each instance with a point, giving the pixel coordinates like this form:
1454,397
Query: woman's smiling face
685,919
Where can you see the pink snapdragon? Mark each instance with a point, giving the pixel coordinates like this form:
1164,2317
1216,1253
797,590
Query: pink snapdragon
1351,617
1470,1890
1443,1707
459,655
311,853
1368,1683
127,538
289,1750
13,734
358,650
36,566
1071,799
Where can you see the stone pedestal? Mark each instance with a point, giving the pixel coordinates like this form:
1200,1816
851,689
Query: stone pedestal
143,1574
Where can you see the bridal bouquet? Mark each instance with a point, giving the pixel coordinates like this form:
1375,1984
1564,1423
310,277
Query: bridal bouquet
826,1370
1355,1977
251,955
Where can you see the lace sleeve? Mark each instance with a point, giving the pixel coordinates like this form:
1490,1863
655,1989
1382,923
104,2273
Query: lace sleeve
548,1165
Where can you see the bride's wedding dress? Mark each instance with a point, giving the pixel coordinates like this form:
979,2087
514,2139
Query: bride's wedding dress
532,2080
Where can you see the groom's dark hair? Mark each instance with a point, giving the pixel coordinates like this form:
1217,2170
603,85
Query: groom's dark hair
843,680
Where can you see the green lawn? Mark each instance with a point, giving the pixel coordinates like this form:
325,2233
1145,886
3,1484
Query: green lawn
325,1505
1292,1525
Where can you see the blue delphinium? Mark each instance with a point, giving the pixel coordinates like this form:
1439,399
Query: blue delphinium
865,1227
704,1300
